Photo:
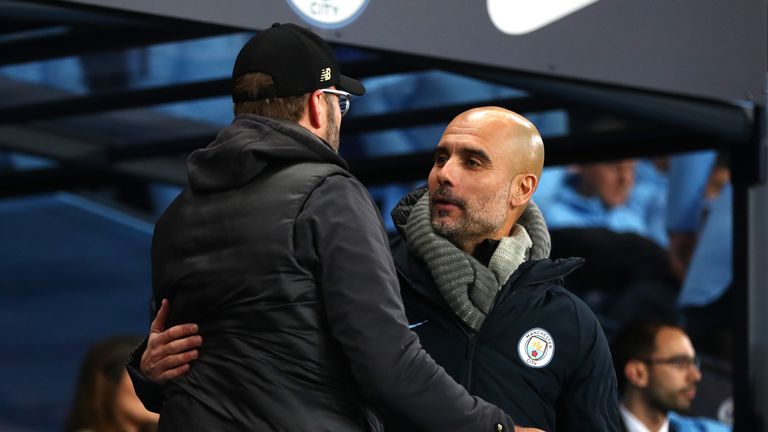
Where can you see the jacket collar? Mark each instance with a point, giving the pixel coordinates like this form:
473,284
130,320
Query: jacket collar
249,146
417,277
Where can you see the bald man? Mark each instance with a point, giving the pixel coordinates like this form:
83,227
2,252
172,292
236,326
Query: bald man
479,289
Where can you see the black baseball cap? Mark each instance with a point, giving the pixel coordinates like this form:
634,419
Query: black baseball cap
298,60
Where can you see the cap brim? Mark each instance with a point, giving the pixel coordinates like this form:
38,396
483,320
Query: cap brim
351,85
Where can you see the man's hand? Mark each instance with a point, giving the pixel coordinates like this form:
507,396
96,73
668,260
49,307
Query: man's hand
169,352
525,429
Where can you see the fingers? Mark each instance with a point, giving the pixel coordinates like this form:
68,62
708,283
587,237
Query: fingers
175,339
165,344
173,373
171,367
164,361
158,324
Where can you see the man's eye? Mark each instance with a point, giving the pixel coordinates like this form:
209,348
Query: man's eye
440,159
473,163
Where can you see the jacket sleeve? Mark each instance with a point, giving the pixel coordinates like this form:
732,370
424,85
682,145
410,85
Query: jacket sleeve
590,399
149,393
359,288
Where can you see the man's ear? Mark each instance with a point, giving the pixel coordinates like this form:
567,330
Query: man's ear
636,373
316,109
523,187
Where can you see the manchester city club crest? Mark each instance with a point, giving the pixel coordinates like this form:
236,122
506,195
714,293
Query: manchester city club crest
536,348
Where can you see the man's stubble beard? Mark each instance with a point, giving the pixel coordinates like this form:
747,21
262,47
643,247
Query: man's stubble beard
668,400
481,216
334,130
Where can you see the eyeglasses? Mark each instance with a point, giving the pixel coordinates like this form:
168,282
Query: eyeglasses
680,362
344,99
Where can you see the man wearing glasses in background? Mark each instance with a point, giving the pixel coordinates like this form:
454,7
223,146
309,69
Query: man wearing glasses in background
278,253
657,372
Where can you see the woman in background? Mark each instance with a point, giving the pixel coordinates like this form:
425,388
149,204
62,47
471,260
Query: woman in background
104,399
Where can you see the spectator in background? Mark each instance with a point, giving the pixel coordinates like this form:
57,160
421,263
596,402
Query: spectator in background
688,174
658,373
622,196
104,398
701,246
649,197
628,273
595,196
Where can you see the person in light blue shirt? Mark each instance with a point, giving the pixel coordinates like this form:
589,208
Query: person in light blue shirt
622,196
695,424
596,196
649,197
710,271
687,176
700,220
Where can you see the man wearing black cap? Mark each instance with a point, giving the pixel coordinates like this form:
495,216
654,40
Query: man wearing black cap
278,253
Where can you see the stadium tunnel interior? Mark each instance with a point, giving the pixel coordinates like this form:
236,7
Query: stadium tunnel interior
100,109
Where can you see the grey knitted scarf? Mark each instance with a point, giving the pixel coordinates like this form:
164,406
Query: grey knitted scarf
468,286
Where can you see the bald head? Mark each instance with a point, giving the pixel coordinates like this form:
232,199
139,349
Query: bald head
487,166
517,139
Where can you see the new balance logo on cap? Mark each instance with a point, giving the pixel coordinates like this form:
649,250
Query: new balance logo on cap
325,75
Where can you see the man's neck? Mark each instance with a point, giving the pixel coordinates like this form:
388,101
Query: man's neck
652,418
469,245
465,244
484,250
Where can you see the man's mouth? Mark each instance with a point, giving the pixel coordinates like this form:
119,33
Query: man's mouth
690,393
445,204
440,199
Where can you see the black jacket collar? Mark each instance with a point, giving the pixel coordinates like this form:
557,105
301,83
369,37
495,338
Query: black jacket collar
417,277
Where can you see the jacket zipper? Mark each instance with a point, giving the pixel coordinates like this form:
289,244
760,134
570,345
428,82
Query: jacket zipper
469,355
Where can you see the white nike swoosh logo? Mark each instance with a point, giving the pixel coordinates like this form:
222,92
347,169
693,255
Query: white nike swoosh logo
518,17
413,326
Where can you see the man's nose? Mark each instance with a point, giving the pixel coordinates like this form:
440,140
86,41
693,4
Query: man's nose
695,373
446,173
